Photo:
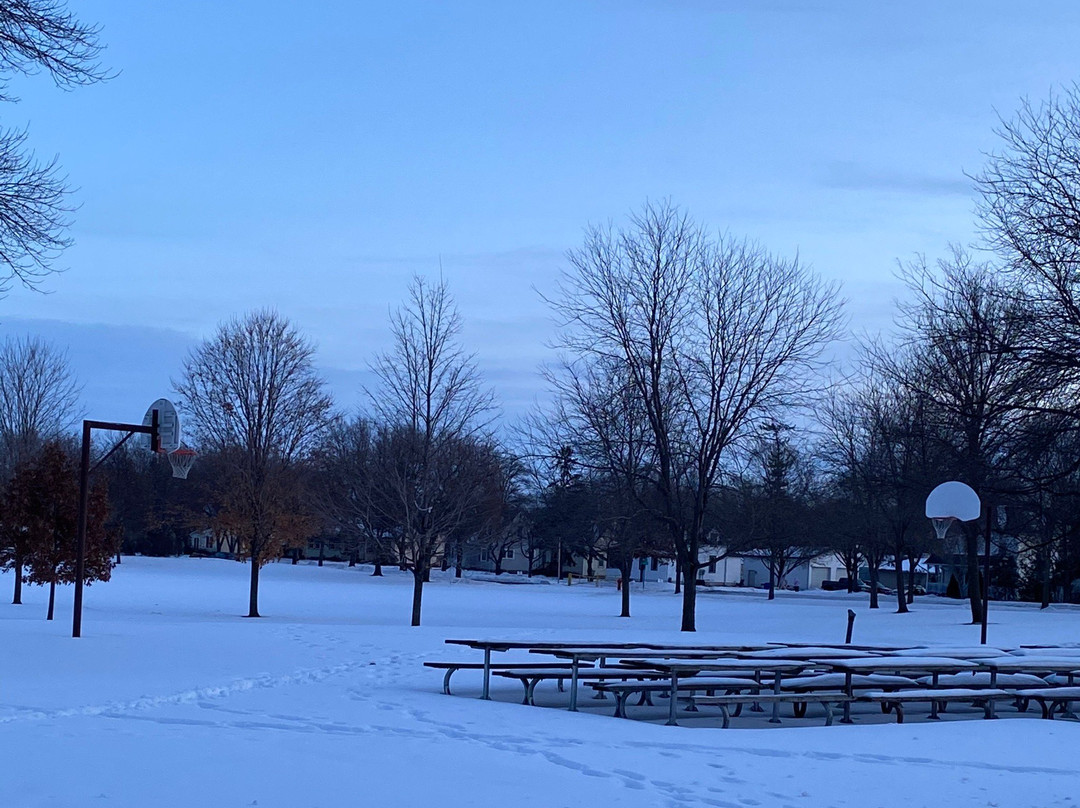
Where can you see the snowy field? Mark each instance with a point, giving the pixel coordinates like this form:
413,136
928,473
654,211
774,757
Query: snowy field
171,699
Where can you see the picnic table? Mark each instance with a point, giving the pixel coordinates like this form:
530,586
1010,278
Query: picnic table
613,648
810,652
972,652
592,653
487,646
675,668
935,666
1067,666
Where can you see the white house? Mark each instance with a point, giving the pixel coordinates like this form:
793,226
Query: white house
807,575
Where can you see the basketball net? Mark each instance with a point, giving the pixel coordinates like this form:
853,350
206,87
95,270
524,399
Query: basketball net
942,524
181,461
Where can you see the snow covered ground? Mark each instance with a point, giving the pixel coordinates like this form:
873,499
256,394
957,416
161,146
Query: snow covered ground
171,699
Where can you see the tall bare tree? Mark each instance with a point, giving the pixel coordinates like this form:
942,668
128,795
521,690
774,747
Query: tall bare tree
432,411
254,395
35,36
715,335
1030,213
597,410
39,399
956,358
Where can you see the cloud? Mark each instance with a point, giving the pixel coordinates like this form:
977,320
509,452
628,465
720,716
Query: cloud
849,176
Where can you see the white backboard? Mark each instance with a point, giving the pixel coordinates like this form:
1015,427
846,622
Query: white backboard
953,500
168,424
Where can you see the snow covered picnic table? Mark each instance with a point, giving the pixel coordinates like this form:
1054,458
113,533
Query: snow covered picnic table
900,665
862,666
676,667
577,652
487,646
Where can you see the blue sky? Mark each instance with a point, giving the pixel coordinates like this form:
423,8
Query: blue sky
314,157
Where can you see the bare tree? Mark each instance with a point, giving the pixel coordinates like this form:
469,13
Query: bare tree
39,399
37,35
346,490
955,357
254,395
1030,213
432,410
715,335
598,411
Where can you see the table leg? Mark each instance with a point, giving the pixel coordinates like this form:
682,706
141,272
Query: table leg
486,694
776,705
847,704
673,701
990,702
573,684
599,694
933,704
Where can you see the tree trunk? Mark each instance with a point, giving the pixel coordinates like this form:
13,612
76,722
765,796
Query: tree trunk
973,575
772,581
626,570
417,594
295,556
851,567
1044,578
901,595
352,557
498,562
253,590
689,600
378,569
913,564
17,600
678,577
873,585
322,551
52,599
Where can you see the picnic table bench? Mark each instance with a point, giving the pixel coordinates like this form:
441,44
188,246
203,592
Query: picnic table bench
1051,699
826,698
896,665
530,677
688,686
676,668
453,667
895,699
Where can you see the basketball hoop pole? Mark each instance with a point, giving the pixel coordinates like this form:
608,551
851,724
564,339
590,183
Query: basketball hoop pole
986,577
84,485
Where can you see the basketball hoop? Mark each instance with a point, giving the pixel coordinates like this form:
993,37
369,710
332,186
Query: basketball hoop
942,525
181,461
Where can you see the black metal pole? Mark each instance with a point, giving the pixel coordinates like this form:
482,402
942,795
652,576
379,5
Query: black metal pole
850,626
84,487
80,539
986,577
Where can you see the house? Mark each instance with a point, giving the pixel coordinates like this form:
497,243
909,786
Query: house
887,574
805,575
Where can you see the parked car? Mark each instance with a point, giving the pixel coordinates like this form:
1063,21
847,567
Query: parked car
841,585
